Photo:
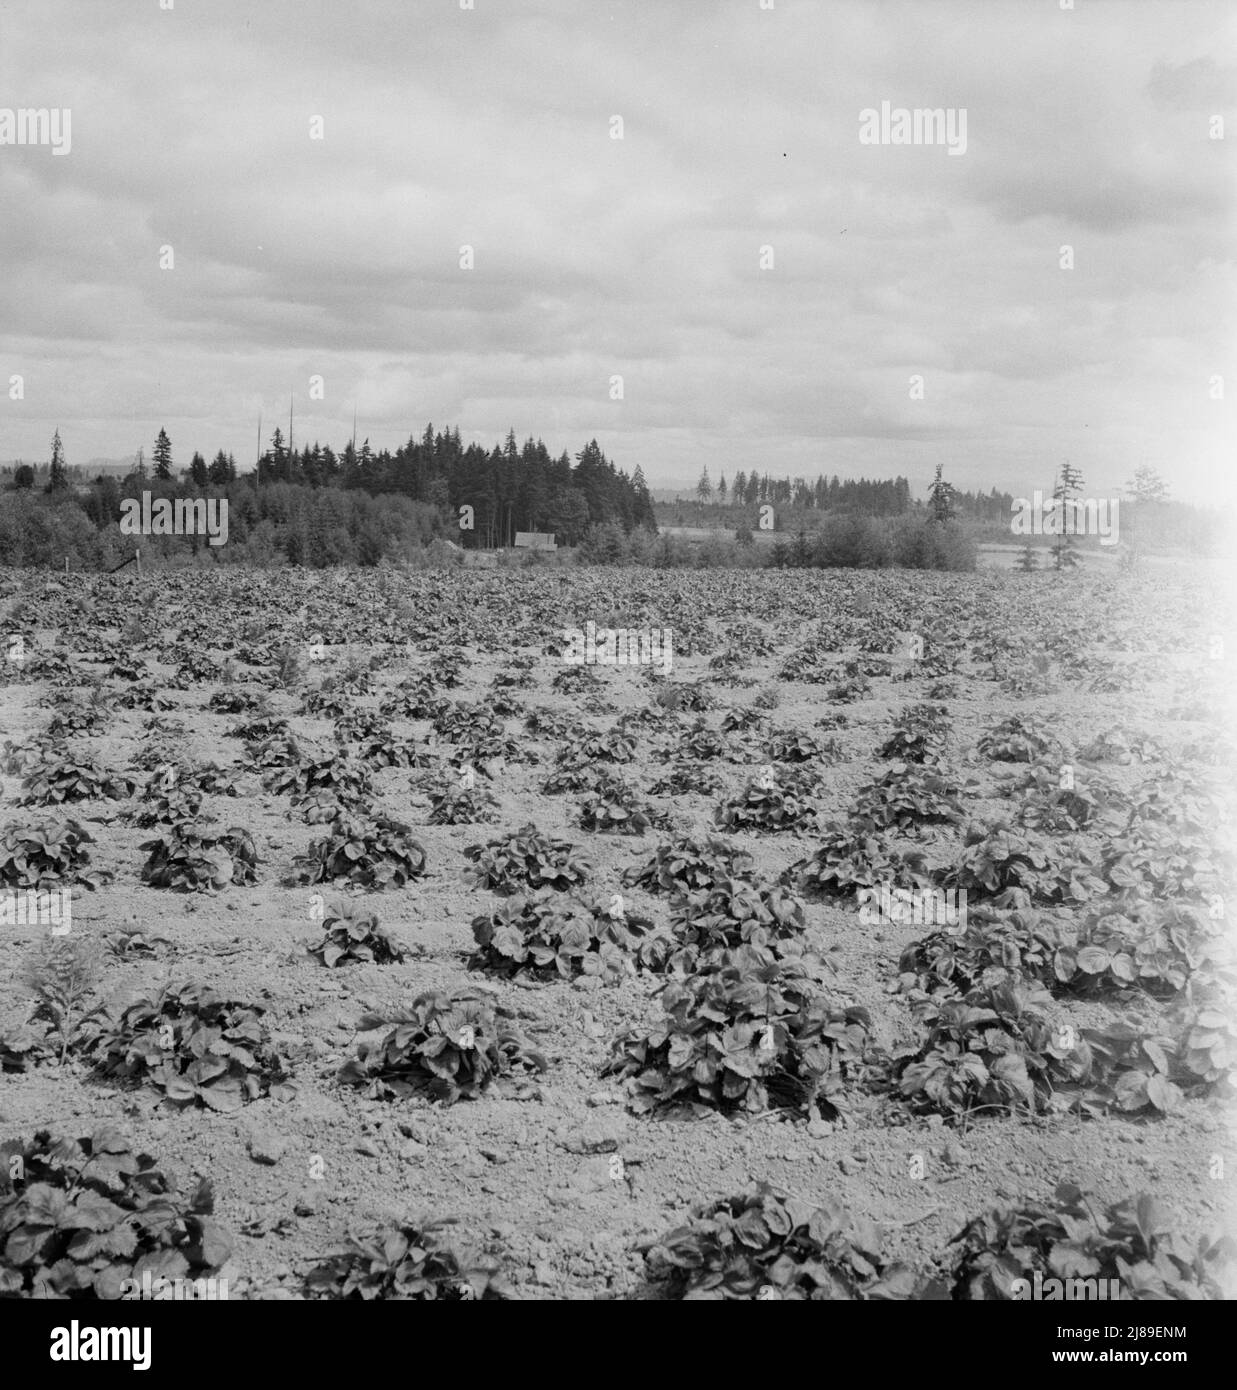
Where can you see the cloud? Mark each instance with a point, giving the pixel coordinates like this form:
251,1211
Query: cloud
639,257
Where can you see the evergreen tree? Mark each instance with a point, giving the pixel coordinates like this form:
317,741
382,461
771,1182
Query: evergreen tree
941,497
163,456
217,473
721,490
198,471
1029,559
1147,486
1148,491
1069,480
704,488
58,480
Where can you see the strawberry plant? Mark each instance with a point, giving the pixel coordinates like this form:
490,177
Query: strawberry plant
687,779
994,1048
1067,1241
726,915
1048,801
855,856
919,736
457,804
191,858
613,805
908,795
59,776
538,934
23,1047
168,797
46,853
770,803
793,746
412,1263
79,1217
744,1030
373,852
350,934
526,858
190,1043
700,743
768,1244
1020,740
1018,868
449,1047
685,865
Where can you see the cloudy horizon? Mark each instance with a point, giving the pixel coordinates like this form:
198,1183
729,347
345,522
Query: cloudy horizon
773,292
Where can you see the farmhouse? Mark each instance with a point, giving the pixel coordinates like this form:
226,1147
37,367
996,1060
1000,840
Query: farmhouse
535,540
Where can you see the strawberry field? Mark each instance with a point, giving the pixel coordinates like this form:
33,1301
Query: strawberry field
363,941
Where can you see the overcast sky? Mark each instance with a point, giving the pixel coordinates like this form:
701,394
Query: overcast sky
597,257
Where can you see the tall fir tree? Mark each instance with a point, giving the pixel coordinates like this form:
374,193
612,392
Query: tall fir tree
58,477
163,456
1065,493
941,497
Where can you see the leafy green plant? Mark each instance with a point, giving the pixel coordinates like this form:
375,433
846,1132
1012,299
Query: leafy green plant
727,914
543,933
1020,739
613,805
1018,868
687,864
192,1044
745,1029
448,1046
407,1262
854,856
1065,1240
907,795
994,1049
60,776
919,736
524,859
191,858
62,975
350,934
79,1217
770,1244
773,802
45,853
457,804
373,852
